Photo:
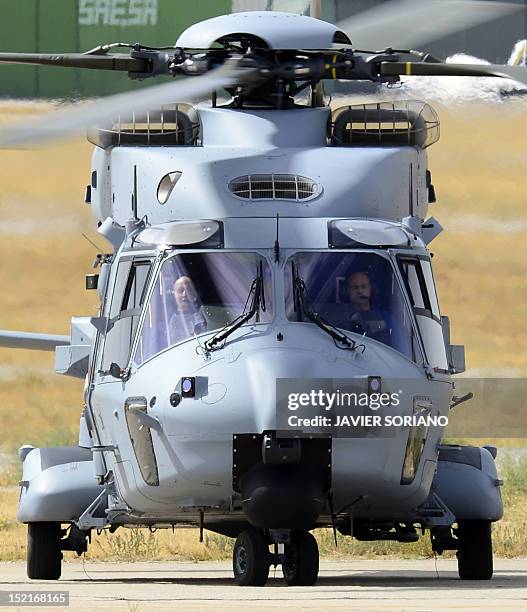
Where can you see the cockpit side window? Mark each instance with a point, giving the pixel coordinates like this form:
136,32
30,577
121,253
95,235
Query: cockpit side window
135,289
416,285
123,317
417,275
426,266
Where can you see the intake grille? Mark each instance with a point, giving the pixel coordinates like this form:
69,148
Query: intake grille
273,187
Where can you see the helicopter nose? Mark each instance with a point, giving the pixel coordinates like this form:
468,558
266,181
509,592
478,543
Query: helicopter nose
262,371
275,494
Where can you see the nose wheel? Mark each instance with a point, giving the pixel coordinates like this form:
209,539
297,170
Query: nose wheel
300,561
251,558
298,555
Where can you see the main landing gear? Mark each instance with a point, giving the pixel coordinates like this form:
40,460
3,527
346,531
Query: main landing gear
45,543
473,543
44,556
296,551
474,554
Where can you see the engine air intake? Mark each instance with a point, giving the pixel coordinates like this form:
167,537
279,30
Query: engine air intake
274,187
174,124
405,122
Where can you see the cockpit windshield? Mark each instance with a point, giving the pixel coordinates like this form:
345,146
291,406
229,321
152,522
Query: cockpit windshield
357,292
196,293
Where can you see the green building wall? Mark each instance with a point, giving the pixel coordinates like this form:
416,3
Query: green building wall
48,26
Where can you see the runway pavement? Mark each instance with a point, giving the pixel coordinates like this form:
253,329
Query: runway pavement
342,585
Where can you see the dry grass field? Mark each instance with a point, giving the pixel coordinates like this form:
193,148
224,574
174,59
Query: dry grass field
479,168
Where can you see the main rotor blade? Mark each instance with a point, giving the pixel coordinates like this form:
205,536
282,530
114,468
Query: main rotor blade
76,120
414,24
516,73
78,60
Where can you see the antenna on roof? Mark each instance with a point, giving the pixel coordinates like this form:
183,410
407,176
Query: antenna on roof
134,196
276,242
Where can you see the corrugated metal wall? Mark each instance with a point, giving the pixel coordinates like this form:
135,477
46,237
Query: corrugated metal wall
49,26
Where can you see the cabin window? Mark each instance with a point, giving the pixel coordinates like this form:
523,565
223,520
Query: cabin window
356,292
123,317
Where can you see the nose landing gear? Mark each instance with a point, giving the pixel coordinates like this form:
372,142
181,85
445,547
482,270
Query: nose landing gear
300,562
295,550
251,558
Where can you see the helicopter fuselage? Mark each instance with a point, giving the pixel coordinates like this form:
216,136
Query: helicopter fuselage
269,354
193,443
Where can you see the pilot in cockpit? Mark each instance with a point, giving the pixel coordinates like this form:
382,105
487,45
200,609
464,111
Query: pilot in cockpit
362,318
188,318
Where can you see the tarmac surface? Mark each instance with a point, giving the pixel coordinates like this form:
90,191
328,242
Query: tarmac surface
342,585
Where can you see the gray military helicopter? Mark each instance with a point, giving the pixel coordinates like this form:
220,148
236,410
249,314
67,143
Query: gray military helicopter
244,233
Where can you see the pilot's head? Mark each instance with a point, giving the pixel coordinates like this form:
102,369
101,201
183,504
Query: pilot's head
359,290
185,294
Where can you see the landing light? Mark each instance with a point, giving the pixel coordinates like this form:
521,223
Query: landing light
357,233
205,234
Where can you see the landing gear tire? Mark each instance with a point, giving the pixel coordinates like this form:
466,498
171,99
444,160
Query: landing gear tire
474,555
300,565
251,558
44,557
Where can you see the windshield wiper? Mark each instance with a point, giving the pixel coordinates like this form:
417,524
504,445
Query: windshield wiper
257,303
299,301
